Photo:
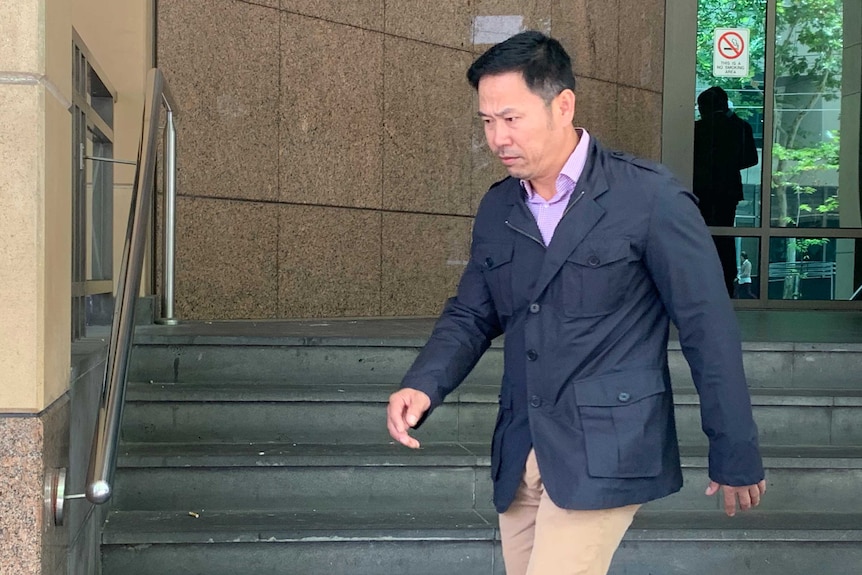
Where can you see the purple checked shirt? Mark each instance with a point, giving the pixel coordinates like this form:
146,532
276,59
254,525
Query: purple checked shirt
549,213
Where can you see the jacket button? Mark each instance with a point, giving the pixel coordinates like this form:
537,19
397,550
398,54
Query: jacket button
532,355
535,401
593,261
534,308
624,397
489,262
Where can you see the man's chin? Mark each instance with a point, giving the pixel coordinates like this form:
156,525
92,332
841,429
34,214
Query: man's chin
516,173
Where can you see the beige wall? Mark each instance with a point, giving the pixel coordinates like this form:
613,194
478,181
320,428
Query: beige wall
330,160
36,171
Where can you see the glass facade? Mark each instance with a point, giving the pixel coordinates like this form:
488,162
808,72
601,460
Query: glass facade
92,196
775,142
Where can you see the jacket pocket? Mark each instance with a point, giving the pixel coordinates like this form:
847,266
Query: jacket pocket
495,260
596,275
625,418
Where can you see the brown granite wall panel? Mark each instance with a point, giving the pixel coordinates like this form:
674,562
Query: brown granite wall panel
329,262
363,110
423,259
596,109
641,44
366,14
639,122
227,254
443,23
331,113
427,128
536,14
21,520
221,58
589,30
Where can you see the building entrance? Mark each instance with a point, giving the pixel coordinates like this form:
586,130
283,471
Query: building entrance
762,120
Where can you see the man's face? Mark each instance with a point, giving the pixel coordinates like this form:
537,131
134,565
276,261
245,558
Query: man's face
521,130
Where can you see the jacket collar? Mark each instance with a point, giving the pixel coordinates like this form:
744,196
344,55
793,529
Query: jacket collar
582,215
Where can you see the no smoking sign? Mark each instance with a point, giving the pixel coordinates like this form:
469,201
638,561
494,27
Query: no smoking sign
730,53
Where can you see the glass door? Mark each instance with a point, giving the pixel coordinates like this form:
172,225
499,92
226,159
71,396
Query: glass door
772,129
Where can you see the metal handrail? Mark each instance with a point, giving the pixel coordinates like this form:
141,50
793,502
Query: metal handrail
103,454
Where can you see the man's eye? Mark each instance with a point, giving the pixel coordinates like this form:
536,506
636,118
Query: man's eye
510,119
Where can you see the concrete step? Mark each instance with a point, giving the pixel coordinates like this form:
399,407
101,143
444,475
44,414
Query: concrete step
347,360
442,542
355,413
449,476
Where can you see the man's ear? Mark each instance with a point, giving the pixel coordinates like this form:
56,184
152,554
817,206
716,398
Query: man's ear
566,101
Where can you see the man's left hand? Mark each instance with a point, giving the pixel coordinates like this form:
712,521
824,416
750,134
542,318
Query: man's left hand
746,497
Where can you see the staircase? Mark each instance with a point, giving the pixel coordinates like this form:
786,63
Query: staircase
261,448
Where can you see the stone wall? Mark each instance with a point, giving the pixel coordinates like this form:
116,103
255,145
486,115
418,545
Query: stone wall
330,159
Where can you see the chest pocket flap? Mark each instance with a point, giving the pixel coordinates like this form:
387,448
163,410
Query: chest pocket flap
492,256
598,253
494,260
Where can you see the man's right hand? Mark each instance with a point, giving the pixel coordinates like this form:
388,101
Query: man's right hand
406,408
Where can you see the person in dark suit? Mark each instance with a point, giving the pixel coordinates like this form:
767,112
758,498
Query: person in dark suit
582,257
723,145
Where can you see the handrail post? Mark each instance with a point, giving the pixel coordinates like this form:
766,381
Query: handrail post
169,222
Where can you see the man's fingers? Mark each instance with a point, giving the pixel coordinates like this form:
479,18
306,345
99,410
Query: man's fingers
729,501
743,498
417,408
395,414
404,411
756,492
712,488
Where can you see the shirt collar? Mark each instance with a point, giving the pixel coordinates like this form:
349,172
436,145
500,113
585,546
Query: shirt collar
570,174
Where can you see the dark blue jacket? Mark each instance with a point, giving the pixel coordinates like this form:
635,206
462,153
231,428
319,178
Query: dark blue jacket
586,379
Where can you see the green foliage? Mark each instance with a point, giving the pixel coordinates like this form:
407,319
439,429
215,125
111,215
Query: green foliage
804,244
751,14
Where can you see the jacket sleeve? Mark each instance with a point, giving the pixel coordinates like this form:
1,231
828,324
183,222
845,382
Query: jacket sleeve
461,335
684,265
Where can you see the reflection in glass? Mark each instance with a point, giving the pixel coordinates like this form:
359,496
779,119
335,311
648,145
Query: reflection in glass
809,126
738,202
814,268
746,284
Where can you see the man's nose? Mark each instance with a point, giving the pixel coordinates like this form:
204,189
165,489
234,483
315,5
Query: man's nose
498,137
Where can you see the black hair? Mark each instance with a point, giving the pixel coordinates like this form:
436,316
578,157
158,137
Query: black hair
542,60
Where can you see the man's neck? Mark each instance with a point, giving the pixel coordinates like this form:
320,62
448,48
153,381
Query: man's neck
546,187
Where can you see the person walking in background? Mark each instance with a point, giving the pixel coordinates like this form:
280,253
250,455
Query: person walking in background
582,257
723,146
744,277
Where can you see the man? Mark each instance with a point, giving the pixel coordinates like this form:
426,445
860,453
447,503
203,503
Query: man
744,277
576,258
723,145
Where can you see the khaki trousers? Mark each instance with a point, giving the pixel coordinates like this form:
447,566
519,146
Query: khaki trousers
540,538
